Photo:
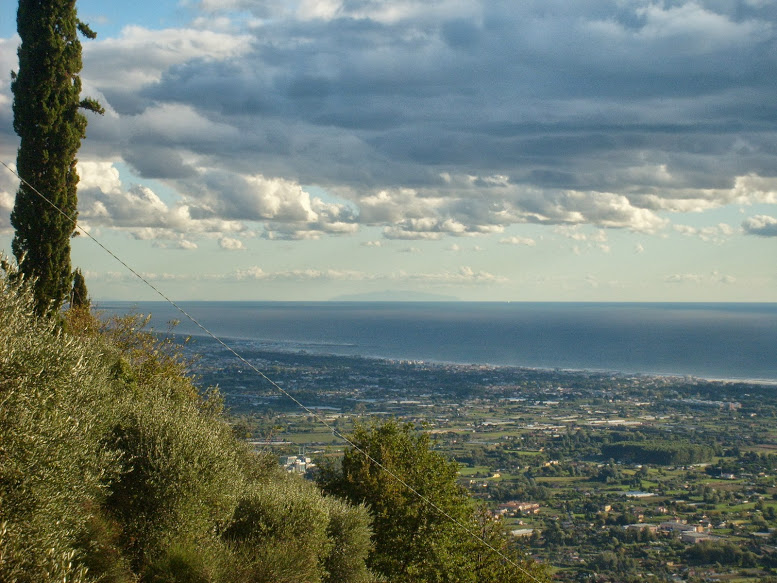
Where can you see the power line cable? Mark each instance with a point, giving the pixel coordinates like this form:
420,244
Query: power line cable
280,389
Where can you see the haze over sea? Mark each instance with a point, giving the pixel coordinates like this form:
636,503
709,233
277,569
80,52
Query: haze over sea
714,341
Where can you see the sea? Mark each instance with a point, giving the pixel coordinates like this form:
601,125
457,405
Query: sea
720,341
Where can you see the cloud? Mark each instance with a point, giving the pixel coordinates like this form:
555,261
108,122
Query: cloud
257,273
760,225
217,204
8,186
288,211
753,189
231,244
401,233
121,67
696,26
684,278
719,233
453,118
575,233
518,241
464,275
699,279
8,62
425,214
138,210
180,243
722,278
586,241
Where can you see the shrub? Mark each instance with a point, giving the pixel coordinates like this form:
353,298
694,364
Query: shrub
182,562
284,524
113,468
180,475
350,532
53,465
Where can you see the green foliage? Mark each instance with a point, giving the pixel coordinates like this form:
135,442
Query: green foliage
182,563
146,360
484,564
722,552
350,533
283,531
53,465
418,538
179,473
46,107
661,452
613,562
411,539
79,296
99,547
114,469
289,524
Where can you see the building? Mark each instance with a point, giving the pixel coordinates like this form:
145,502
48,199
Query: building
512,508
522,532
680,527
299,463
642,526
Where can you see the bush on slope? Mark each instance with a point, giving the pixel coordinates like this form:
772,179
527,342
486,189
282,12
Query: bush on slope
113,468
54,397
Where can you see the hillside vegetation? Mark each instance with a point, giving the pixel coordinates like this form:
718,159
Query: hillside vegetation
113,468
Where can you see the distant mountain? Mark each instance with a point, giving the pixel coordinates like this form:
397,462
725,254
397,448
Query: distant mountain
394,296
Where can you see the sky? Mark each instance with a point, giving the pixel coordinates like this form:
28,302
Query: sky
479,150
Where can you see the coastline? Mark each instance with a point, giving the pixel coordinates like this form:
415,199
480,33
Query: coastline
265,347
716,342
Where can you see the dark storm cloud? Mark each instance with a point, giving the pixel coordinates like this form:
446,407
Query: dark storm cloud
528,89
156,162
449,116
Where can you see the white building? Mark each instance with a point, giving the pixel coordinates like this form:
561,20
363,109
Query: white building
299,463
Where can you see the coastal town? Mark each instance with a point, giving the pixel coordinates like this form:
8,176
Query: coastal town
603,476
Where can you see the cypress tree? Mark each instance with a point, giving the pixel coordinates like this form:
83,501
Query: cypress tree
79,296
47,99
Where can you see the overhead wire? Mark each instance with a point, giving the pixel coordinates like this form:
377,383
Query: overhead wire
441,511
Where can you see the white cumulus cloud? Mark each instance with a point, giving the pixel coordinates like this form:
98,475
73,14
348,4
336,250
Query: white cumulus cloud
231,244
761,225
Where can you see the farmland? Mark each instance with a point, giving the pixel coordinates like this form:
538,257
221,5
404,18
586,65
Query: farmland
606,477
